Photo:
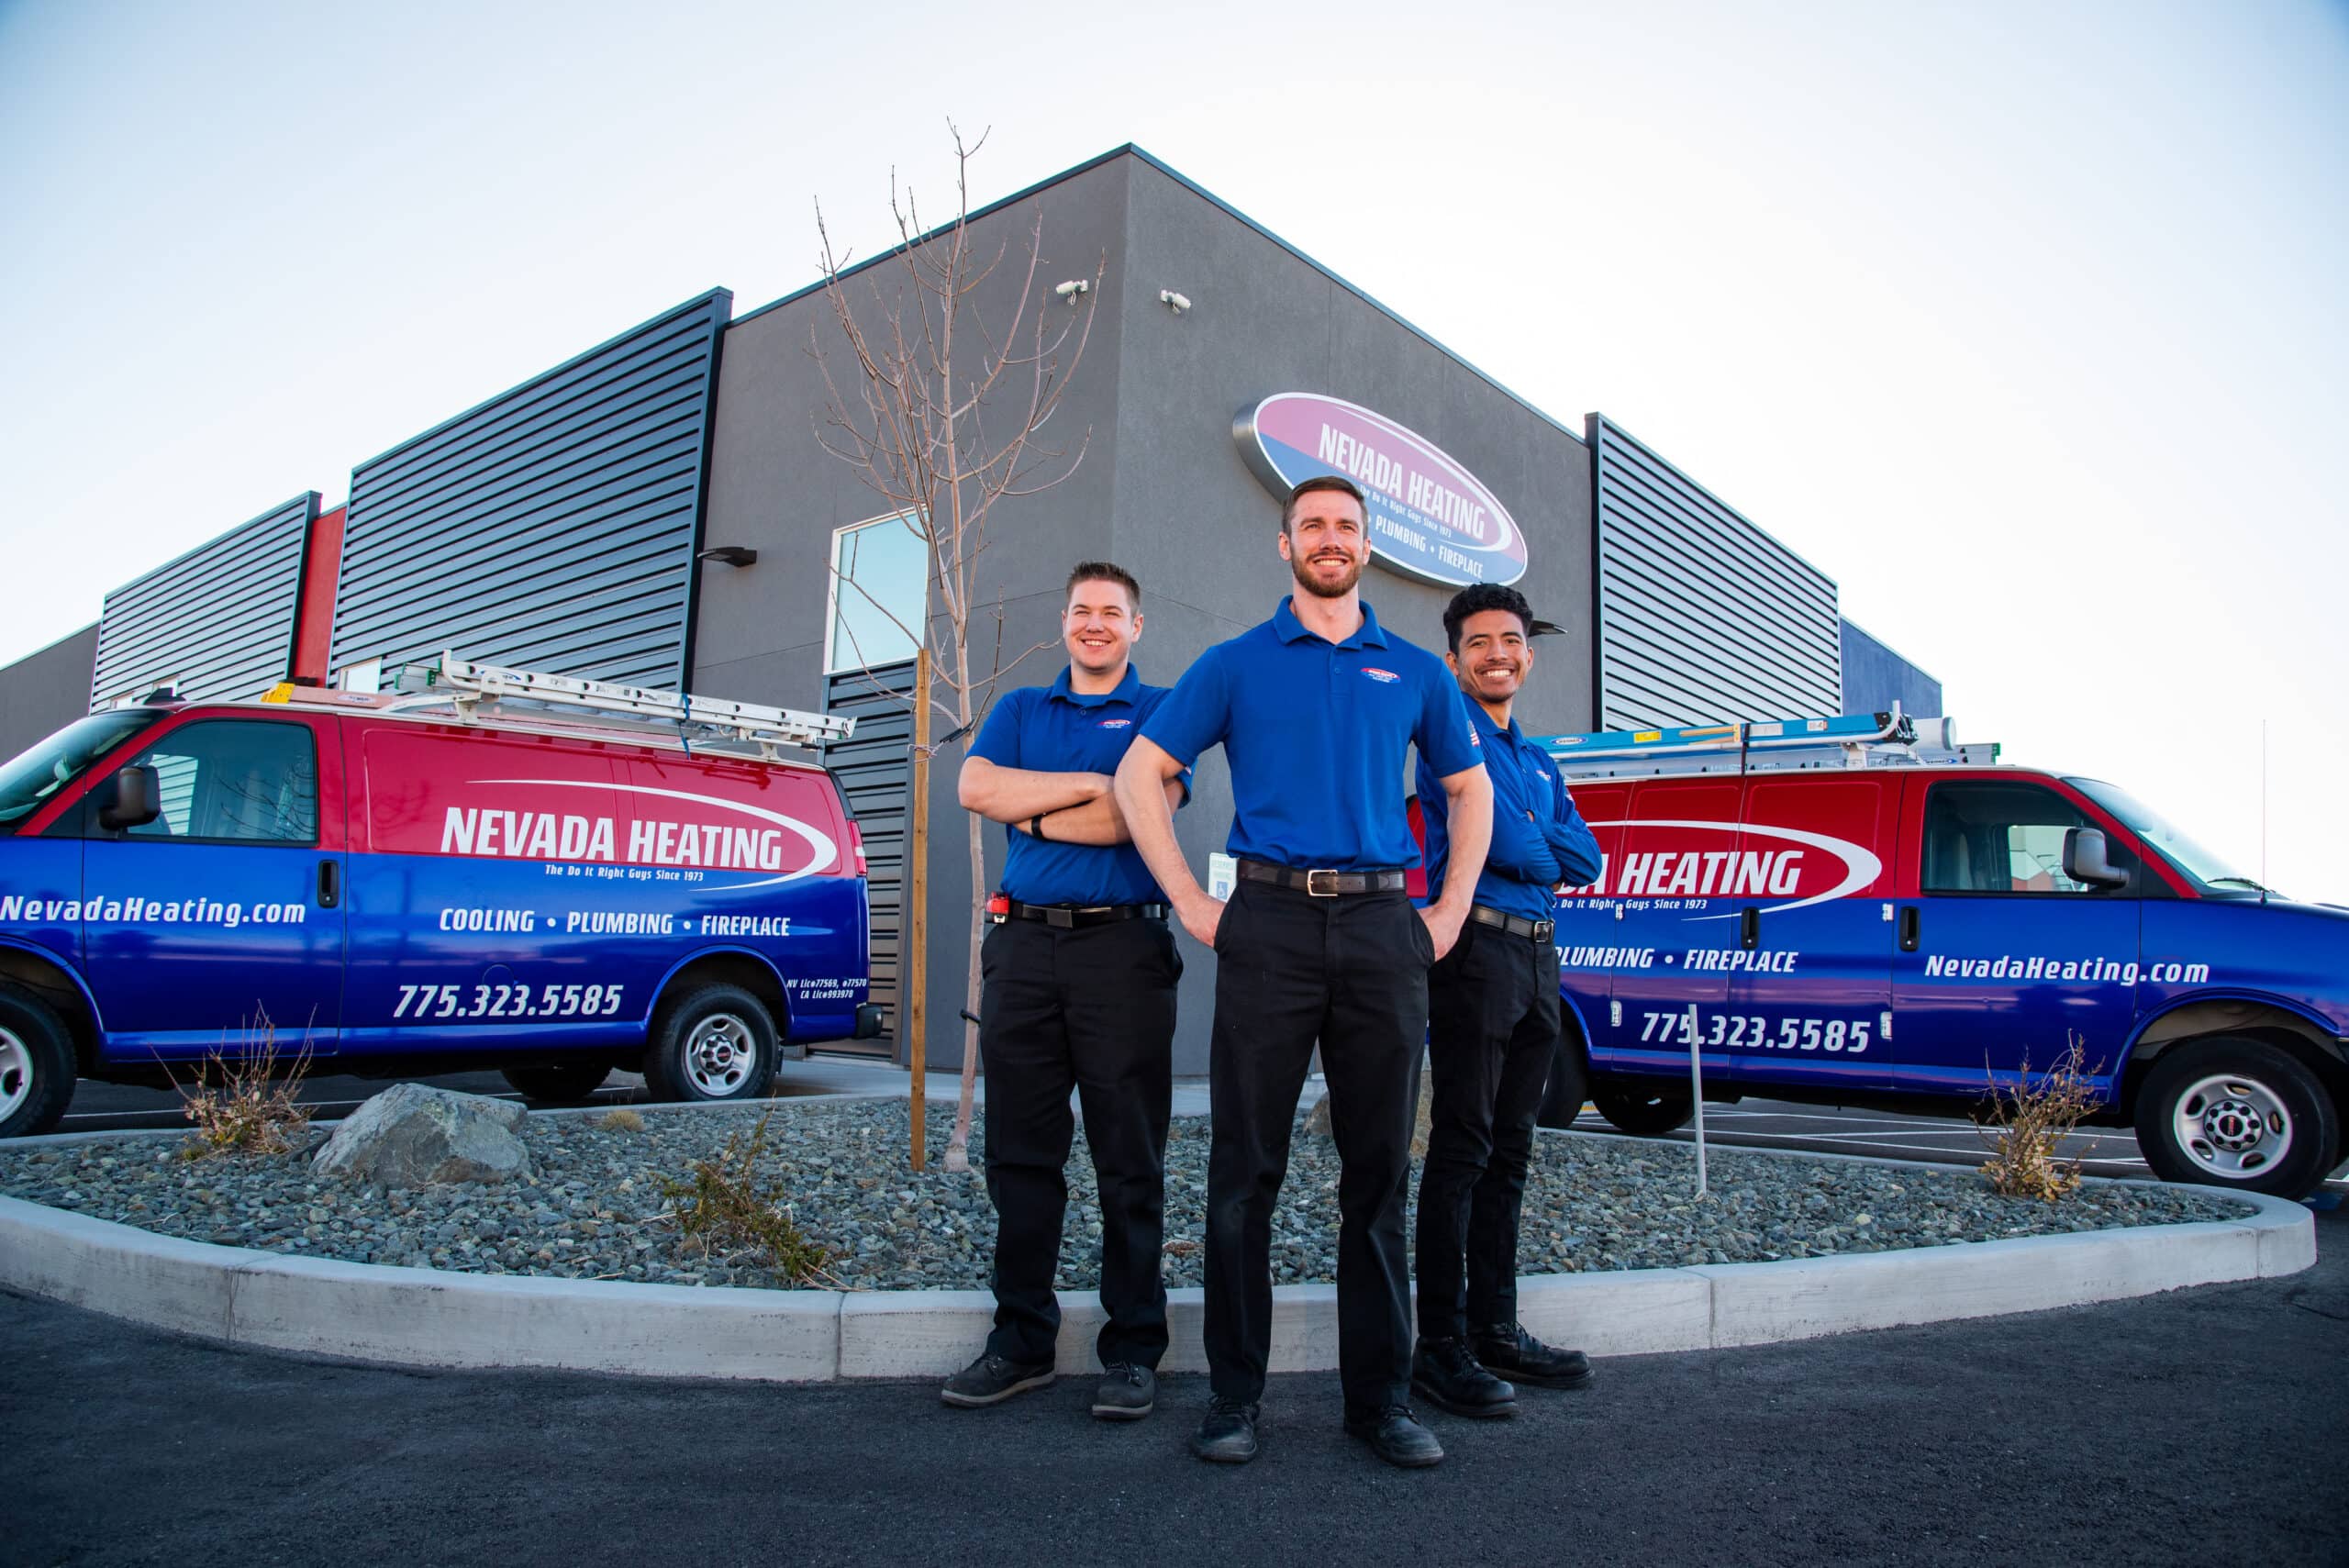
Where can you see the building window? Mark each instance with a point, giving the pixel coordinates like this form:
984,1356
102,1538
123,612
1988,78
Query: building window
880,594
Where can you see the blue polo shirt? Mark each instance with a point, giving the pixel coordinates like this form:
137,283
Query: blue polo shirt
1054,730
1316,733
1539,837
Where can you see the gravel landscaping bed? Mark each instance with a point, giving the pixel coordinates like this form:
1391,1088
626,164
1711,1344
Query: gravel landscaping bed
594,1208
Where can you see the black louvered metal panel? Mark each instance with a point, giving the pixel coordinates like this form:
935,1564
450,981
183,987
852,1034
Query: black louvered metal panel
1703,617
219,620
553,527
875,771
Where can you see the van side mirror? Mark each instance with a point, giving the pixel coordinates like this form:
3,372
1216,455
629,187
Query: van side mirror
2084,859
137,800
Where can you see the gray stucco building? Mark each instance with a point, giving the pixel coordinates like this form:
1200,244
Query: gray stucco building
698,431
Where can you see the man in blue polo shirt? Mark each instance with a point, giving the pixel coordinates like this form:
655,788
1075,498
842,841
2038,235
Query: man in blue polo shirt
1315,710
1493,1029
1078,974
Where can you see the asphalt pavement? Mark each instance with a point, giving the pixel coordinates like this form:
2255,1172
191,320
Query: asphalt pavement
2205,1426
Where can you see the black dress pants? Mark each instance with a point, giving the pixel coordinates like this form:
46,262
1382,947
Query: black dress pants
1090,1010
1492,1034
1349,972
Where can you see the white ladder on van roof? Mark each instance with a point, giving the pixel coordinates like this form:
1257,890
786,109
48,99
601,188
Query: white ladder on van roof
1839,740
490,692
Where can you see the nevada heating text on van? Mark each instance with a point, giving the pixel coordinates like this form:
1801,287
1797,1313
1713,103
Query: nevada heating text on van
1850,911
495,869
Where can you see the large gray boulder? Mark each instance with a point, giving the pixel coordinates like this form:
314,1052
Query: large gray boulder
413,1135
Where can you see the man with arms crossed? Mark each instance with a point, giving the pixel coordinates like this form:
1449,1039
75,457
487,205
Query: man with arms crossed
1078,974
1493,1029
1314,709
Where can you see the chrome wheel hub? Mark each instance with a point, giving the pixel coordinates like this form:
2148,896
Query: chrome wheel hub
2232,1127
16,1074
719,1054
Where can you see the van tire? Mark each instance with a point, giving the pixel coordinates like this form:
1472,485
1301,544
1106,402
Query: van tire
2229,1111
713,1043
1644,1112
560,1083
1569,1087
36,1065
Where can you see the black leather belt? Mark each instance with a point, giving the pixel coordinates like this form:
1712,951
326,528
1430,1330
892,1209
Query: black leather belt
1323,883
1515,925
1064,917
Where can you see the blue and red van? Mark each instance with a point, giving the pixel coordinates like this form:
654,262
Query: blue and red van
400,892
1891,931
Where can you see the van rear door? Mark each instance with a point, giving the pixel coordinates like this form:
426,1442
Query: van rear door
2000,956
222,920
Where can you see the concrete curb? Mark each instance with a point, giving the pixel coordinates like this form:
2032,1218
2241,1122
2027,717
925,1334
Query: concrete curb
434,1317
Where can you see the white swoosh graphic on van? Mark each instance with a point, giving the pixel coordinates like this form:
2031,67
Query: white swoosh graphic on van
825,850
1860,866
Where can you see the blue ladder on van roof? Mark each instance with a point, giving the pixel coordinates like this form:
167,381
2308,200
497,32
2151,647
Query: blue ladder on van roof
1837,741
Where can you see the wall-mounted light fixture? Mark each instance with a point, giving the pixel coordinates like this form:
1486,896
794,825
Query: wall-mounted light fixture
728,555
1544,629
1172,300
1071,289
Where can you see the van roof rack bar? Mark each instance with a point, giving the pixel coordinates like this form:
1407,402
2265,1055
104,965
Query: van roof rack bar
1845,740
489,691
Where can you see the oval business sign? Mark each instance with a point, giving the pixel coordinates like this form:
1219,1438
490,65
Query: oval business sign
1430,517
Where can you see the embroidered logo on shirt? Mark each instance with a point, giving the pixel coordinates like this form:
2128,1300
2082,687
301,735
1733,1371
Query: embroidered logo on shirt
1384,677
1116,724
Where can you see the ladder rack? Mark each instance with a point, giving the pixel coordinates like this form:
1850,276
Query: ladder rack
472,693
1842,740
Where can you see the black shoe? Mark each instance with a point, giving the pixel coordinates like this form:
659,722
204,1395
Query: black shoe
1507,1348
1447,1376
1396,1436
1126,1392
991,1379
1229,1434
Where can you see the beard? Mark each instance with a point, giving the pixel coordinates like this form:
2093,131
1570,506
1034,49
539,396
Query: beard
1300,569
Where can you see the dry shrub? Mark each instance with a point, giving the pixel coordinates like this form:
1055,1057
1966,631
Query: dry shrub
246,1106
2029,1122
722,1207
621,1120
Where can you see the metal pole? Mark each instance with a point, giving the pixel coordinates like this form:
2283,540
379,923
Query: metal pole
1697,1087
913,963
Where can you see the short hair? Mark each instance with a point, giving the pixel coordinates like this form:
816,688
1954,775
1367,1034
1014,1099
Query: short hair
1479,597
1104,572
1337,481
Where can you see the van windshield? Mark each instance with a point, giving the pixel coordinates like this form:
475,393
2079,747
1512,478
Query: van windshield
2203,865
39,771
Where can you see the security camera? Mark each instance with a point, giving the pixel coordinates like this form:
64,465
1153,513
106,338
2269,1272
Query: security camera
1071,289
1172,300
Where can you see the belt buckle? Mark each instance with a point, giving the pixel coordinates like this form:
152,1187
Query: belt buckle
1060,919
1315,889
1543,930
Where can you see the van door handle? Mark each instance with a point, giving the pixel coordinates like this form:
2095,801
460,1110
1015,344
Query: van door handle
1749,929
330,883
1908,929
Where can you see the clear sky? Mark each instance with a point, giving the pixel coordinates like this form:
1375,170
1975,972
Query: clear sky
2025,321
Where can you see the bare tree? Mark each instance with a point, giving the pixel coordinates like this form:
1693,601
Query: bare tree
939,415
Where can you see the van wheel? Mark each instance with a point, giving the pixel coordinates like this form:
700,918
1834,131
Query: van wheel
2230,1112
560,1084
36,1066
1647,1113
716,1042
1569,1087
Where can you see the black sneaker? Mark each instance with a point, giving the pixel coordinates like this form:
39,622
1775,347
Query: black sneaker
1126,1392
1396,1436
1447,1376
1229,1434
1507,1348
991,1379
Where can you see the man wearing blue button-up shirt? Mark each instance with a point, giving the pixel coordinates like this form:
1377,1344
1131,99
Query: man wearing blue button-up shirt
1077,974
1315,710
1493,1031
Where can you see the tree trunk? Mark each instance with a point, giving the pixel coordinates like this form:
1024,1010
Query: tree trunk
958,1151
913,961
